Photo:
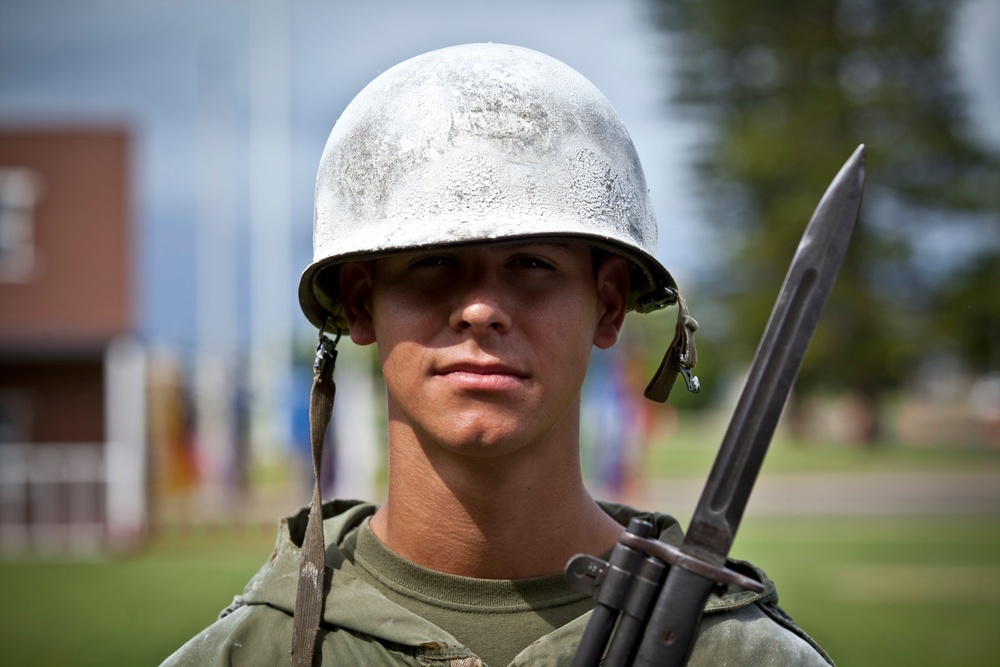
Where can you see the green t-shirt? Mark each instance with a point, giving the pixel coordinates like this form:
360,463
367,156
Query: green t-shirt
495,618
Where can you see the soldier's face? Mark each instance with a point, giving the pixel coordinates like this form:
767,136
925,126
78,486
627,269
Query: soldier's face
484,348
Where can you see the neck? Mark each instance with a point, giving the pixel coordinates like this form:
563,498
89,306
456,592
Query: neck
519,515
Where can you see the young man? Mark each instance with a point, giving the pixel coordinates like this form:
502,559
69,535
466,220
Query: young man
482,218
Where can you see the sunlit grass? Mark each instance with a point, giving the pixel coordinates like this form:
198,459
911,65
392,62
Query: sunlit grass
882,591
873,591
131,611
689,450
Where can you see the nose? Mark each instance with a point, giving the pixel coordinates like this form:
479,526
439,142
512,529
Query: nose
479,305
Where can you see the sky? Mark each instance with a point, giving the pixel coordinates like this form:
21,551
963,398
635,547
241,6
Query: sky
223,209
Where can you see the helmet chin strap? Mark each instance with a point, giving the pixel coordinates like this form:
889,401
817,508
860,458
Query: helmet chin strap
312,566
681,357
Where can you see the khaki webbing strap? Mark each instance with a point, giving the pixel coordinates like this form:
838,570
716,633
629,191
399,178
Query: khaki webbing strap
312,566
681,357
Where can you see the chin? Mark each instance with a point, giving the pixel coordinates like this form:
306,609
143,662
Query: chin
483,433
481,445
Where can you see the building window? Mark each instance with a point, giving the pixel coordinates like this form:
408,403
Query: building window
19,192
15,416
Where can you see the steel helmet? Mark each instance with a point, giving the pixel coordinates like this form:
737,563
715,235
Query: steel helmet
479,142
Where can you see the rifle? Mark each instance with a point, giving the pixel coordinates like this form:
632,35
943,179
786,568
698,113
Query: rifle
651,595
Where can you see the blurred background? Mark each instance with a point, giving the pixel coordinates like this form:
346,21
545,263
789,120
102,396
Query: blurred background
157,162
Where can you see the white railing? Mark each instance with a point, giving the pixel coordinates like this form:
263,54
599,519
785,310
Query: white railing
52,498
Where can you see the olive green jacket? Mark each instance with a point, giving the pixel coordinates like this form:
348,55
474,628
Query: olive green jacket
361,627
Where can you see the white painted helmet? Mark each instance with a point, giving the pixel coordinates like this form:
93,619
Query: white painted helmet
472,143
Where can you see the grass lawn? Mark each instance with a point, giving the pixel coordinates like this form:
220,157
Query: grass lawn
874,592
690,450
132,611
883,591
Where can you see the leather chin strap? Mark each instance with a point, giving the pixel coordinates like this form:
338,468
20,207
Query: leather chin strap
312,566
681,357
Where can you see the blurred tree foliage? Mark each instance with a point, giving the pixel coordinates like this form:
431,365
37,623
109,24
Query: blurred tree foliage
786,91
969,315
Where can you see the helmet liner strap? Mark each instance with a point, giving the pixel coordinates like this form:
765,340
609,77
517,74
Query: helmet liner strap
312,566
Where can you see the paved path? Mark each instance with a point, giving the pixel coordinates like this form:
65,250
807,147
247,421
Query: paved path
904,493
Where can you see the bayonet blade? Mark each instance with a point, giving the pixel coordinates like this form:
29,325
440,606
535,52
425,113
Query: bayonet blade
779,356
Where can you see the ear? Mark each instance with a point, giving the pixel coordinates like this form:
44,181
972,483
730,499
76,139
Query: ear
355,282
613,280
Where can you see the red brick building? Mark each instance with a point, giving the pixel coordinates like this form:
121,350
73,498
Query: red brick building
72,387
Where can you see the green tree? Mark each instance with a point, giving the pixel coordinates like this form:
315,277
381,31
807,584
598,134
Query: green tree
786,91
968,312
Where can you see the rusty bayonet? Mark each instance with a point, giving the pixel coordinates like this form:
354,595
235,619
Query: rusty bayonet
669,630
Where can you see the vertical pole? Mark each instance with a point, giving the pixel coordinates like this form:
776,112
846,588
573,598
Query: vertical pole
272,284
